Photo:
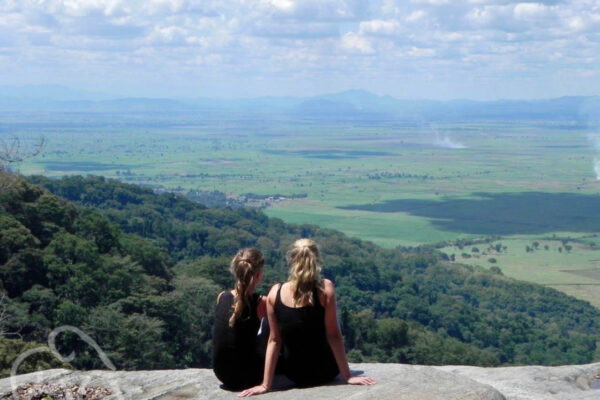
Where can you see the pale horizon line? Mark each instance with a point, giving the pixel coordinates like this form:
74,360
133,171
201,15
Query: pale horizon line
108,96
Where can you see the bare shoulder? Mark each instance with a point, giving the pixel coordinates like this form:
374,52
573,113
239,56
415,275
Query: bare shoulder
273,293
327,292
219,296
328,287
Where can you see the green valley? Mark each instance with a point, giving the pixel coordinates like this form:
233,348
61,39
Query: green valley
393,180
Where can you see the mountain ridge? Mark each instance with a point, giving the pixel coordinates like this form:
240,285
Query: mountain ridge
346,104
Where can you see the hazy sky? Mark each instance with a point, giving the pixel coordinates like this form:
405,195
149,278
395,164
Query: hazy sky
438,49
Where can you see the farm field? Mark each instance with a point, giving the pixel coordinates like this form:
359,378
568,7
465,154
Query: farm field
392,183
569,262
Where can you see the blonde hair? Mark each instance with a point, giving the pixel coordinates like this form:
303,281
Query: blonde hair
304,260
244,267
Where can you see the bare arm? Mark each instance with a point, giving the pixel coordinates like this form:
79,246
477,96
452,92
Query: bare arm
261,309
336,340
273,349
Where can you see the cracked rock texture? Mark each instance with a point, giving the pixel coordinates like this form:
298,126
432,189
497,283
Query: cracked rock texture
394,381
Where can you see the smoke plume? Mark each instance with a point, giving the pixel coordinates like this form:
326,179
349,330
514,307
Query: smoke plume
596,141
447,143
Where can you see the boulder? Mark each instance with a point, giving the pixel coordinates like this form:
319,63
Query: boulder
394,381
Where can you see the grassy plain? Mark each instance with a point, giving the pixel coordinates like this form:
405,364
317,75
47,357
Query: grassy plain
388,182
569,261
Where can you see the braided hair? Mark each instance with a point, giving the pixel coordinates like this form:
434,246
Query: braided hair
244,267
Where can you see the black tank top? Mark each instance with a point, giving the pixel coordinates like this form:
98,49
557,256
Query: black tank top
236,361
307,356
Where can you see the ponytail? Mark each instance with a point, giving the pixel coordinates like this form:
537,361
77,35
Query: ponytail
304,260
244,266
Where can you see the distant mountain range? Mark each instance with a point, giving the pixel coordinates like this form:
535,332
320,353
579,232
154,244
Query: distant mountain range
49,93
349,104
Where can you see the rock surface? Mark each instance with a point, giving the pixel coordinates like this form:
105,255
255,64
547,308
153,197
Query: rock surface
395,381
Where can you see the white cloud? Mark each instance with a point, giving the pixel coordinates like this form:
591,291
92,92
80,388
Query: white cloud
164,6
420,52
353,42
210,59
390,8
379,27
530,10
168,34
79,8
432,2
270,40
286,6
198,41
313,10
415,15
451,36
576,23
481,16
12,20
515,17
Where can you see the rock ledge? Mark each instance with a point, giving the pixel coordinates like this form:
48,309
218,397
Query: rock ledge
395,381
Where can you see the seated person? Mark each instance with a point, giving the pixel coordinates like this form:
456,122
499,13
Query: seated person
303,320
237,362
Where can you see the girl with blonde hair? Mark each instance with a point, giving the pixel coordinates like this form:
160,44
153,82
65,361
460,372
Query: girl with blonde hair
236,361
304,327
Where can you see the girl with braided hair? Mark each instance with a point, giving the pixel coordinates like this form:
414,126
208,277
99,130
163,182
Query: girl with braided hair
238,313
304,327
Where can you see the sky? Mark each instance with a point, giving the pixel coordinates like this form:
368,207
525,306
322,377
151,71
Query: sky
413,49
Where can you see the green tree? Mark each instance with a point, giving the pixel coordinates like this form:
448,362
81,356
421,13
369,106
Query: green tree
153,259
13,237
391,333
23,270
96,228
10,349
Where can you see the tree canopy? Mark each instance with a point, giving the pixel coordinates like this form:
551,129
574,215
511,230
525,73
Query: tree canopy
139,272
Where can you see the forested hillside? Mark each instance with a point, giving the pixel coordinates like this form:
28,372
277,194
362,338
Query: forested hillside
139,272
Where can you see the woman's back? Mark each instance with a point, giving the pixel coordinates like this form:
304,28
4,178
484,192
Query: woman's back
307,356
303,320
236,361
